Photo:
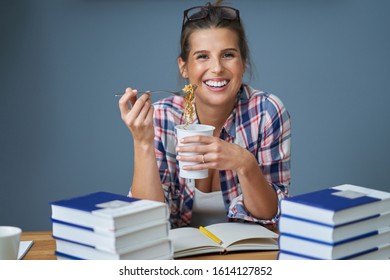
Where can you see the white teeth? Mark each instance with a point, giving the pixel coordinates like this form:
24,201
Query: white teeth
216,84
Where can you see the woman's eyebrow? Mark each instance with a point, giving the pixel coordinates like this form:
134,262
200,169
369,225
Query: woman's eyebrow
230,49
206,51
200,51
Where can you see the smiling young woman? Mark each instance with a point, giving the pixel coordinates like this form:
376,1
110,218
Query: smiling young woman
248,156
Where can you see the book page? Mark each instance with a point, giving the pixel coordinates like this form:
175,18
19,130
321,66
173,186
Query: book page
186,238
367,191
232,232
24,246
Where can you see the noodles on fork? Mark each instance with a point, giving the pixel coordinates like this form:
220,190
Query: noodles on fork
189,99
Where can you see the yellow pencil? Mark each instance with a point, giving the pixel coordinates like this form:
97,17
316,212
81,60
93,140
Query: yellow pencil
210,235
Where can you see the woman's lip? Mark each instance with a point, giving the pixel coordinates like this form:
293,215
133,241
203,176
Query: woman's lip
216,80
216,89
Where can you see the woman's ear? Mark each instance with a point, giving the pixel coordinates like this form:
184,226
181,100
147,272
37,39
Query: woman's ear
182,67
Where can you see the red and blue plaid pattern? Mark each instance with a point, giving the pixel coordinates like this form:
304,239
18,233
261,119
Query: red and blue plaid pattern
259,122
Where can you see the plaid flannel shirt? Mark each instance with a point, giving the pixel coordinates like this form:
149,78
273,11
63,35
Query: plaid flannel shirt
259,122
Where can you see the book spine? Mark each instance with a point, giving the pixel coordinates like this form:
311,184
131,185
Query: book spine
54,221
66,256
330,225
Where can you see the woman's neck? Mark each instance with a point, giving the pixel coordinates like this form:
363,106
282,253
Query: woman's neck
215,116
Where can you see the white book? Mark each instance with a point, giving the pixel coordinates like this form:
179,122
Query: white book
64,257
155,249
337,205
321,250
329,233
108,210
379,253
113,240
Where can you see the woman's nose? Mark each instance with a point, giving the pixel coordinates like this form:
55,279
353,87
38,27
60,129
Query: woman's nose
216,66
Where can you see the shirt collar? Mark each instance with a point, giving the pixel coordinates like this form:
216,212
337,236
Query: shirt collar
230,124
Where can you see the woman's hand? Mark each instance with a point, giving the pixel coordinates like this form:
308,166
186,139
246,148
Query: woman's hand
260,198
137,114
212,153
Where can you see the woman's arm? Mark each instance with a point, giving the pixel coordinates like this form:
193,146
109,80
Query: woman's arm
139,119
265,179
260,198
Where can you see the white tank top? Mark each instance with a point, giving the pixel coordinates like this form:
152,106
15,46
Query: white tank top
208,209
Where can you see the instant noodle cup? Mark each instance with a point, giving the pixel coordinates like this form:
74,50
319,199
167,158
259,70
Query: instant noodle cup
192,130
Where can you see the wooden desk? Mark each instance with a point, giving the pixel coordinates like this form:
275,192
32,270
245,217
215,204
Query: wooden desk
44,246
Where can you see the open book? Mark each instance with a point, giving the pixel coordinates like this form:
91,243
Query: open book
189,241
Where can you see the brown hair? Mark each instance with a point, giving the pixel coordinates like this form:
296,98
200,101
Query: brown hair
213,20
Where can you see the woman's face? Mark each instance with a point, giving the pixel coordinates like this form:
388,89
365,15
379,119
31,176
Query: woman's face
214,64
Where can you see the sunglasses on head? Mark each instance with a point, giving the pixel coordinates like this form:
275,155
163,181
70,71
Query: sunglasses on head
202,12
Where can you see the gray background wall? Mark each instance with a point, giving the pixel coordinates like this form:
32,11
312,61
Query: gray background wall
61,61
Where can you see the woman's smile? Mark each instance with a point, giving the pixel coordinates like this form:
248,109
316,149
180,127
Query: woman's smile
216,84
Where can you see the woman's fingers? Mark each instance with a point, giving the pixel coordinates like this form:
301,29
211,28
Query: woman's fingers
133,107
140,112
140,108
203,139
201,144
130,96
203,152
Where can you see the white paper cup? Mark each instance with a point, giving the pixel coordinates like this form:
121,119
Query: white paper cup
9,242
192,130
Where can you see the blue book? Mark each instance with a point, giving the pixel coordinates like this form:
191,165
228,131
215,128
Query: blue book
62,256
155,249
108,211
337,205
329,251
378,253
114,240
331,233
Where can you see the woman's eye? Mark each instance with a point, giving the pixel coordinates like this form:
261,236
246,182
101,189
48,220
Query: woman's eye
228,55
201,56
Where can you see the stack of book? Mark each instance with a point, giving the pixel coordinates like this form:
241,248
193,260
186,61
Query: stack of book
342,222
109,226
